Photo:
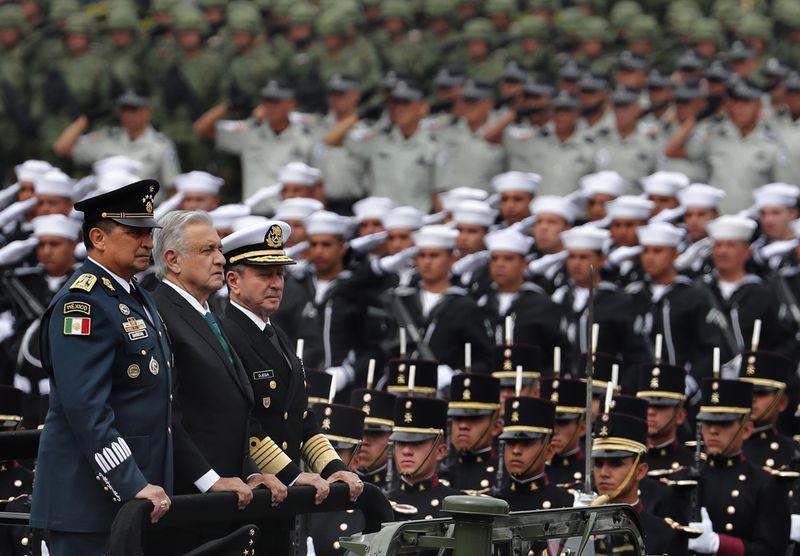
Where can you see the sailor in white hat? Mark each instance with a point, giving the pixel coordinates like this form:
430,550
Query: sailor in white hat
777,208
54,191
298,179
26,173
663,188
400,224
516,190
553,215
294,212
600,188
369,213
225,215
200,190
473,219
702,206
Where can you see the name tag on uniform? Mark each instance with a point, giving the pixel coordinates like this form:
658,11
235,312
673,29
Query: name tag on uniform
135,328
263,375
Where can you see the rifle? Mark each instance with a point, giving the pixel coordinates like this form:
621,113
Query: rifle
591,334
21,297
407,322
787,297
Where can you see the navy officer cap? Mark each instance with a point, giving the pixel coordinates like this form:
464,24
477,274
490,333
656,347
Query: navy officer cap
258,245
131,205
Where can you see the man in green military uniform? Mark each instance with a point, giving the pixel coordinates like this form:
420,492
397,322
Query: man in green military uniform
484,62
594,34
80,82
529,46
418,442
398,48
299,53
125,50
190,86
135,138
441,44
14,86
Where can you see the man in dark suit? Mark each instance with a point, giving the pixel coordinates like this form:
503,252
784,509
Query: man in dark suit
212,396
283,430
107,437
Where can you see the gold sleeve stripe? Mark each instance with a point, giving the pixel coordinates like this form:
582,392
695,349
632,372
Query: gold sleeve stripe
268,456
318,453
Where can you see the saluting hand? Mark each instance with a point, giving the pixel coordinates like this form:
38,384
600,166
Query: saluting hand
234,484
158,497
320,484
275,486
355,484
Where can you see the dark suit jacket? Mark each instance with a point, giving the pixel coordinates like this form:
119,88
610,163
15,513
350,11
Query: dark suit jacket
212,398
281,409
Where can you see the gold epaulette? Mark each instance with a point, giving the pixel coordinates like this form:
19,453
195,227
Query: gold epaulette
84,282
318,453
268,456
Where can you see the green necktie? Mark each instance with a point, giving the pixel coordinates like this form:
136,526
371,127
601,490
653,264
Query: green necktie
212,322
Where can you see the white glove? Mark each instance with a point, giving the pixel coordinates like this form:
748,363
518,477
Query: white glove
15,211
543,263
434,218
7,195
168,205
794,532
444,376
668,215
266,192
15,251
367,243
582,500
624,253
80,251
310,551
470,263
297,249
393,263
697,250
708,541
524,225
343,376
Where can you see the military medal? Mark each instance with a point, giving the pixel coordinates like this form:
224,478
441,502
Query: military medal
135,328
107,283
124,309
133,371
154,366
266,402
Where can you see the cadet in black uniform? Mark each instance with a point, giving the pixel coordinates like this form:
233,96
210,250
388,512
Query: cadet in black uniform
371,461
418,442
343,426
527,429
744,510
474,410
506,359
566,467
664,387
619,452
627,213
768,372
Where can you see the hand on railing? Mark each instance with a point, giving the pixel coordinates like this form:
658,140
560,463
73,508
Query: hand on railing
234,484
354,484
320,485
275,486
158,497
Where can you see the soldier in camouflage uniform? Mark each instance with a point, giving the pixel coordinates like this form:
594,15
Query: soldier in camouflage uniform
484,63
399,48
125,50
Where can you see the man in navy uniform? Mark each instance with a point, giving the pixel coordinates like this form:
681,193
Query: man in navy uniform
527,429
744,509
418,437
107,436
475,412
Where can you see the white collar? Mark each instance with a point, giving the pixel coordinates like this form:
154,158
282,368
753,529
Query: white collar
258,321
188,297
122,282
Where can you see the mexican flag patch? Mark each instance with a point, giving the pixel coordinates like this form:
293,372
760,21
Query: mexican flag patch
77,326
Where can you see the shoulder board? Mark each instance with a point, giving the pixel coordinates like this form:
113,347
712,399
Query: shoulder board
84,282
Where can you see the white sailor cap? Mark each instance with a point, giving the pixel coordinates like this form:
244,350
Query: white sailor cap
114,179
553,204
606,182
474,212
508,240
403,217
629,207
436,236
225,215
248,221
31,169
327,222
117,162
516,181
776,195
297,208
733,227
700,195
261,244
57,225
451,199
659,233
197,181
664,183
585,237
299,173
54,182
371,208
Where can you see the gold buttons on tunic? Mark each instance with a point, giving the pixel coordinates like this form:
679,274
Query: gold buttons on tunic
729,526
742,477
770,462
735,493
284,445
273,384
731,510
546,504
434,502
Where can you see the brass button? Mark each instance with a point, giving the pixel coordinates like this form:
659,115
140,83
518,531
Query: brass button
105,488
577,475
286,416
675,465
336,545
17,483
273,384
484,483
97,477
434,502
735,493
490,469
731,510
774,446
763,436
428,517
284,445
305,414
770,462
546,504
742,477
143,352
343,526
729,526
24,541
